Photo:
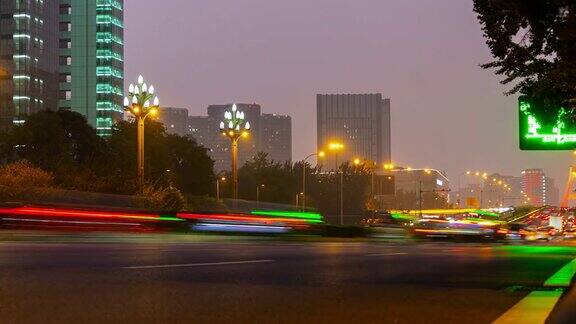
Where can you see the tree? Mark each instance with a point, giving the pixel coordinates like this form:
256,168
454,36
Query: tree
533,44
279,180
169,160
61,142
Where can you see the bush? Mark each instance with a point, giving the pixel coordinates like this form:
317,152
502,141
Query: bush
163,198
205,204
22,174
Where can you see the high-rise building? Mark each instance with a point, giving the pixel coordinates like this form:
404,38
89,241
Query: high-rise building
201,130
540,189
65,54
92,60
359,121
276,137
175,120
28,58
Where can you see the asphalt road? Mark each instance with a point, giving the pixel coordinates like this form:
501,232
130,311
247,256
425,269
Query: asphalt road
269,281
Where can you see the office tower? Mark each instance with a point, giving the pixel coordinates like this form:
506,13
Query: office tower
92,60
276,137
175,120
359,121
28,59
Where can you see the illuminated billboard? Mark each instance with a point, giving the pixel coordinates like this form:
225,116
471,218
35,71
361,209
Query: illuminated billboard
545,129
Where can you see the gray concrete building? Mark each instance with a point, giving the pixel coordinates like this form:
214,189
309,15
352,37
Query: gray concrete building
276,137
359,121
175,120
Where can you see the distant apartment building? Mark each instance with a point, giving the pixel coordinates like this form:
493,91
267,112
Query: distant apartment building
540,189
359,121
269,133
276,137
65,54
175,120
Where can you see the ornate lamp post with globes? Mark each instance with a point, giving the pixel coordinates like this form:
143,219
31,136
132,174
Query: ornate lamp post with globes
234,126
141,103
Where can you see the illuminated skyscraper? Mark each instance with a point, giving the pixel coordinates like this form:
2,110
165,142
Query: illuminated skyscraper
28,59
92,60
359,121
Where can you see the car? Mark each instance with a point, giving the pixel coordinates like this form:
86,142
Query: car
546,232
569,232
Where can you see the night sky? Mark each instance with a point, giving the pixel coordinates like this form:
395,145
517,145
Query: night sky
447,113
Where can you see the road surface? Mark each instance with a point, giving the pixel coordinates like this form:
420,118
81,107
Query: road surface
271,281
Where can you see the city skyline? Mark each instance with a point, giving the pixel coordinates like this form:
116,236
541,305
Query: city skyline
443,100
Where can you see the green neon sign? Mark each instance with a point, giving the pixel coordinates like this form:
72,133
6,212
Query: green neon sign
547,130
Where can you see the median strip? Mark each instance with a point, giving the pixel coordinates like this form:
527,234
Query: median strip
198,264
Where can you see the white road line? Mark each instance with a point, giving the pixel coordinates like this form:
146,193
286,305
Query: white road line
198,264
533,308
385,254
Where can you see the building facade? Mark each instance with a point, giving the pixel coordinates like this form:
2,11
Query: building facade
359,121
28,58
65,54
92,60
175,120
541,190
200,129
276,137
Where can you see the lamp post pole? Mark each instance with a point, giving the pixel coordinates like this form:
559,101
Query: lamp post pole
235,168
234,126
258,195
319,154
138,103
218,179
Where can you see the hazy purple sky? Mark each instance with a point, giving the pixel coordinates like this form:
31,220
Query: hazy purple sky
447,113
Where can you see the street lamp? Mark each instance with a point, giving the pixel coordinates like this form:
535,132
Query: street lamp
234,126
319,154
141,103
218,179
337,147
258,194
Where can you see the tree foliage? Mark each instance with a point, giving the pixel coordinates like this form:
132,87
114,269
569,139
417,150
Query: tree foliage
533,44
64,144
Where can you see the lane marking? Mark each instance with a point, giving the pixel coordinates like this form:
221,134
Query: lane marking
385,254
537,306
198,264
533,308
563,277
